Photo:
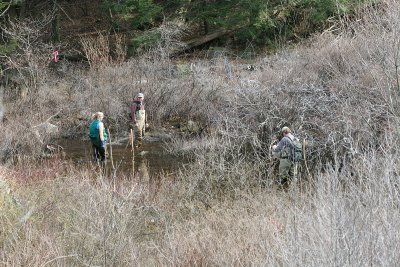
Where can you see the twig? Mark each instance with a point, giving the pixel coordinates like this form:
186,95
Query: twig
55,3
52,116
57,258
5,11
305,157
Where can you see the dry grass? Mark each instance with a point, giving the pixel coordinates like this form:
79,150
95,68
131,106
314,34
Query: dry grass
339,92
65,216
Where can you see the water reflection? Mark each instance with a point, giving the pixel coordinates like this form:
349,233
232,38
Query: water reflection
141,172
150,160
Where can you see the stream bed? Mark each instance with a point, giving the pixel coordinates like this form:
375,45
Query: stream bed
151,159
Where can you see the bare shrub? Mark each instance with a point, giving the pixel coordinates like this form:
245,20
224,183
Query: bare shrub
31,55
100,48
120,48
32,122
330,225
26,141
339,94
72,216
96,49
97,217
336,93
171,34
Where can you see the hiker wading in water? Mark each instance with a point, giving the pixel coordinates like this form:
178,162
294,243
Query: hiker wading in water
139,119
98,136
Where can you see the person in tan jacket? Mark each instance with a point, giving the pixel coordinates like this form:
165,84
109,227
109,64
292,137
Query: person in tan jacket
139,119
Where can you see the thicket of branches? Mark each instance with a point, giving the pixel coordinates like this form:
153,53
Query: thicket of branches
57,214
339,92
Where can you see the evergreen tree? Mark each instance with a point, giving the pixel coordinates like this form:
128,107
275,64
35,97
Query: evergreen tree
142,14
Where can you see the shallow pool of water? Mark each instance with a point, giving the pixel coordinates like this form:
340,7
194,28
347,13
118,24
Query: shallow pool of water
150,159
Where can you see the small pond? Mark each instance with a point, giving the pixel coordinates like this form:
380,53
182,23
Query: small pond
151,159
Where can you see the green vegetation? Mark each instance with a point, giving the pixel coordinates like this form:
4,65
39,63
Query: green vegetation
3,5
141,14
145,41
9,47
261,22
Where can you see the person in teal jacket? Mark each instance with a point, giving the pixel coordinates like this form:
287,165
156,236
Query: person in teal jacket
98,136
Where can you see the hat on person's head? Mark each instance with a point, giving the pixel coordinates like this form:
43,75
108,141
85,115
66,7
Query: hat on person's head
140,95
286,130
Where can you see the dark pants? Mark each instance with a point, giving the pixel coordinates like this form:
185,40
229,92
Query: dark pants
99,153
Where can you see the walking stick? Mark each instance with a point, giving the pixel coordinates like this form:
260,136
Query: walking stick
111,154
133,152
111,157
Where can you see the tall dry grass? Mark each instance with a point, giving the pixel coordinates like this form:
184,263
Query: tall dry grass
339,92
63,215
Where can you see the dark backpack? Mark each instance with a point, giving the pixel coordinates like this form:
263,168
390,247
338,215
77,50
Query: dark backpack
138,107
296,150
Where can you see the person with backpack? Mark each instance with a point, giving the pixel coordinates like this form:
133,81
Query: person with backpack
289,152
98,136
139,119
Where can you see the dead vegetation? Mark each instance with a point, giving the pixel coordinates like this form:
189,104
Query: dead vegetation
340,93
58,214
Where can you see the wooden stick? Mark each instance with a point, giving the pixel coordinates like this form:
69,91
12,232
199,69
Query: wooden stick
305,157
112,161
133,152
111,155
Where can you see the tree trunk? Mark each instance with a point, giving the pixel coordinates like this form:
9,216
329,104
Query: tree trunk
1,104
202,40
205,26
55,28
207,38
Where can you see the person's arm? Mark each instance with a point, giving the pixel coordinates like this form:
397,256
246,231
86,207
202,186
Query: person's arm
101,129
281,145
